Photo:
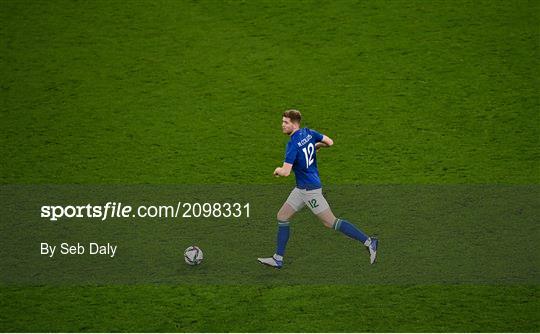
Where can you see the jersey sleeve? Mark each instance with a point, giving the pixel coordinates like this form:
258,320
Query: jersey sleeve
316,136
290,153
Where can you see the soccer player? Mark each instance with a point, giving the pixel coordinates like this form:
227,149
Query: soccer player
301,158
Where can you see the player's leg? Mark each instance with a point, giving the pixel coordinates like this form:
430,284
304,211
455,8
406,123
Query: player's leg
327,218
318,204
350,230
283,217
286,212
293,204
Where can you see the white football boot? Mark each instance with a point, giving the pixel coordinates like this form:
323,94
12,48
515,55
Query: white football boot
272,261
372,248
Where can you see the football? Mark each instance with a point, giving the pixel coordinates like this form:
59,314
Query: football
193,255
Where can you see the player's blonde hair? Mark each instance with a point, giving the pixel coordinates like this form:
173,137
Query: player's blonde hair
294,115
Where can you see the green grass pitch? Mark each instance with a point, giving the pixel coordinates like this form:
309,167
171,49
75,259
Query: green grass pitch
418,92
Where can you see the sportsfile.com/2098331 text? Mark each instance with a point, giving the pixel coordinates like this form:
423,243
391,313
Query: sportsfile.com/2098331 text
119,210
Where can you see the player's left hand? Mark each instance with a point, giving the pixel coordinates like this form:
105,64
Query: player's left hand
276,171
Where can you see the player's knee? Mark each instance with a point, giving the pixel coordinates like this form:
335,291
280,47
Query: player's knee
327,223
282,217
327,218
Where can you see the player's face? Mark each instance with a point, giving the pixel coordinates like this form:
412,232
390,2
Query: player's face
287,126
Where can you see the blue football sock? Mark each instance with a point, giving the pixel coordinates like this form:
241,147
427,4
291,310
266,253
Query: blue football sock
350,230
282,237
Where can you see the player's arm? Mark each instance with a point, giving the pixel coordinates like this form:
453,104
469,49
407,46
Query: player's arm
285,170
325,142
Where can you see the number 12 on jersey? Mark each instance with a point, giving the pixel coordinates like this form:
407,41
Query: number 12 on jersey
308,153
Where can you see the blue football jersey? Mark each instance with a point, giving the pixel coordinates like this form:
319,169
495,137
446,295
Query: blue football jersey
301,154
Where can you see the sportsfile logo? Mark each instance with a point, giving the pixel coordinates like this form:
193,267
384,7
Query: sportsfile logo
111,209
119,210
